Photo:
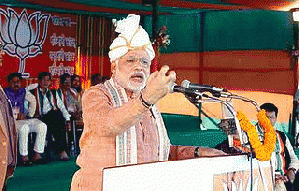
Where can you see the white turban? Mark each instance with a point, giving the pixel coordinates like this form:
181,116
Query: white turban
132,36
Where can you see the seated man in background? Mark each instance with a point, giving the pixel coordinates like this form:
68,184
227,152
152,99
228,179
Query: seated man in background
76,84
97,79
69,96
296,115
53,113
25,124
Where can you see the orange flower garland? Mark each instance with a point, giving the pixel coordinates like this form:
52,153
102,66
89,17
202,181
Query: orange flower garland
262,151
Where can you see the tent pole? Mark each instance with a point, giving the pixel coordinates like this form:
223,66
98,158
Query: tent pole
155,19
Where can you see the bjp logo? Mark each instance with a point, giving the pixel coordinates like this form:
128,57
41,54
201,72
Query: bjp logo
23,35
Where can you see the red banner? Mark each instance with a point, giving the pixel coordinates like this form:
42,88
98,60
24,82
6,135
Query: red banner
37,41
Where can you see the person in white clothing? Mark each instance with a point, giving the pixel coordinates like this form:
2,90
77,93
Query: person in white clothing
53,113
24,106
286,162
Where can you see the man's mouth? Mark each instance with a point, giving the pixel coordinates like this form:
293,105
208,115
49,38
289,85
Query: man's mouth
139,77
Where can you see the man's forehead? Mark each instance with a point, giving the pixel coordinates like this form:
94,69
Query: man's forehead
137,53
45,77
270,113
16,78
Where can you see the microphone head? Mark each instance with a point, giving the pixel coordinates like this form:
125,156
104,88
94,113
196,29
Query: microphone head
173,88
177,88
181,89
185,84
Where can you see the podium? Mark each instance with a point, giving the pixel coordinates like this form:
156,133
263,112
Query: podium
206,173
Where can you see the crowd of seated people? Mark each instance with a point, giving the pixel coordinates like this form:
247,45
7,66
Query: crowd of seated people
47,112
24,106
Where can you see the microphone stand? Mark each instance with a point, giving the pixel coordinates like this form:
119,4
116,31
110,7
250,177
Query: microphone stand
200,97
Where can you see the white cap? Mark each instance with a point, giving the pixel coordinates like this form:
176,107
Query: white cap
132,36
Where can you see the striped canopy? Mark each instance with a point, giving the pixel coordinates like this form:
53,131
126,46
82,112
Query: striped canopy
107,7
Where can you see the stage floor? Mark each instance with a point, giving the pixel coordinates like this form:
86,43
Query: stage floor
55,175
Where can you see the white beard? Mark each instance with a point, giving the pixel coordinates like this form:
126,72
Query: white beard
124,82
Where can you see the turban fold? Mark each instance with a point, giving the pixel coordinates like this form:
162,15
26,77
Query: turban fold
132,36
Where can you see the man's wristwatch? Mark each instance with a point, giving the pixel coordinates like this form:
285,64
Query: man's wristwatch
196,152
144,103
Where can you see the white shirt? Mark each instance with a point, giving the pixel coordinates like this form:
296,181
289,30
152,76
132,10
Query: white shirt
29,104
47,106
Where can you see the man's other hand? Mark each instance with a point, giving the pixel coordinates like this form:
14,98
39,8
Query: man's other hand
291,175
204,151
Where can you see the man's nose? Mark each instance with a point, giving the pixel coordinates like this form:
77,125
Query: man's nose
138,68
139,64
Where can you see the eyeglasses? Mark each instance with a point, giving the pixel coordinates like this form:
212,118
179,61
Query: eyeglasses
132,60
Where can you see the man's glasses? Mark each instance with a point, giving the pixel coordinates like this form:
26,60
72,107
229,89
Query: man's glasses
133,60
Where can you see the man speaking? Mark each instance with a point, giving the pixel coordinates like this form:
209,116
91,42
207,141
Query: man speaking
121,122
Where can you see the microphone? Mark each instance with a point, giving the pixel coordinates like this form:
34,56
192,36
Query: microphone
189,93
181,89
202,88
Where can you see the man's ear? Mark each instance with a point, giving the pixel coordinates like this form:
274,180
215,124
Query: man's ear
113,66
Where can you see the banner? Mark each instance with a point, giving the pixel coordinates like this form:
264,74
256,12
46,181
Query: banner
37,41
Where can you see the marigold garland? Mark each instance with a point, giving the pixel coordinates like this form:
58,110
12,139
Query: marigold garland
262,151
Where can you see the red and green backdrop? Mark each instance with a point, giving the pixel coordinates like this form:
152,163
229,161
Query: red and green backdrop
237,50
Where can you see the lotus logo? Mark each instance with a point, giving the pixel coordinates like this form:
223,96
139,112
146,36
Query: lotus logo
23,35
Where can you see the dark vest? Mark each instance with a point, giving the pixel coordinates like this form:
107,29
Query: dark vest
286,152
39,102
17,99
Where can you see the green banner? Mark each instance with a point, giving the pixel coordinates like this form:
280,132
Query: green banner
226,30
